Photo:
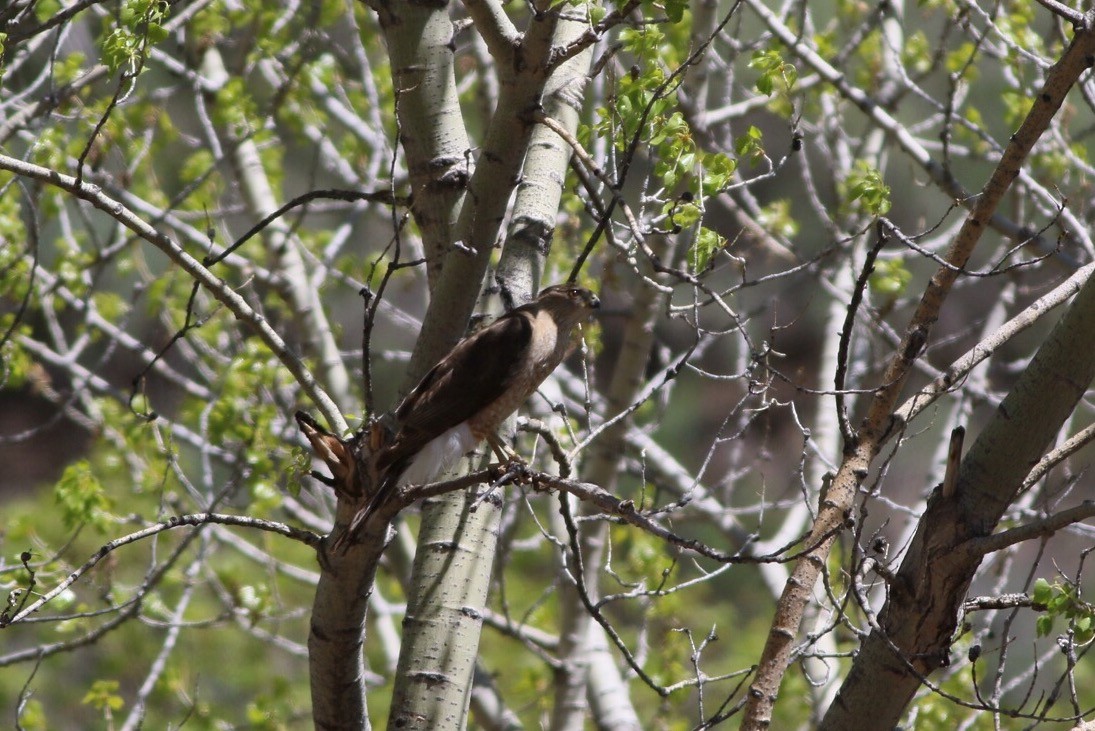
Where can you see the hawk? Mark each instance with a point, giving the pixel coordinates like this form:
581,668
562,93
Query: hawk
483,380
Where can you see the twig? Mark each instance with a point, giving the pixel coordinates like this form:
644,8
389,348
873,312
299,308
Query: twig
221,290
578,574
1024,320
1058,455
1004,601
535,426
846,334
194,519
1060,9
1044,527
384,196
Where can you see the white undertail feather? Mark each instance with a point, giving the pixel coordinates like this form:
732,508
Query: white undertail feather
439,454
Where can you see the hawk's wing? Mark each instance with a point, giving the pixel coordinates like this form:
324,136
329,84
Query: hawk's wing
473,375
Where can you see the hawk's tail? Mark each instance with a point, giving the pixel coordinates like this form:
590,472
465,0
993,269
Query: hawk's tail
385,490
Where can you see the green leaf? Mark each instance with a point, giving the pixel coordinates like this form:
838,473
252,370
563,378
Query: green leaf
708,243
81,497
889,278
110,305
777,218
46,9
765,84
32,716
156,33
256,715
67,69
750,145
958,61
773,69
196,165
918,52
674,10
718,171
120,49
104,696
1042,592
865,185
683,214
1044,625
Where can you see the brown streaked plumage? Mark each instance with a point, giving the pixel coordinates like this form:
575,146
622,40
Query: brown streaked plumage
472,390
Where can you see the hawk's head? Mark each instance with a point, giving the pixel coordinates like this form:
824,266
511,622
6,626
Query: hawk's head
569,304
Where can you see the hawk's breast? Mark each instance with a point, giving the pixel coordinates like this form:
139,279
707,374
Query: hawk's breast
544,352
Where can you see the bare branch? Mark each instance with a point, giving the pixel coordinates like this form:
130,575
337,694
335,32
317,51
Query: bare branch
1036,529
193,520
615,17
218,287
498,32
1057,455
984,349
1075,17
1006,601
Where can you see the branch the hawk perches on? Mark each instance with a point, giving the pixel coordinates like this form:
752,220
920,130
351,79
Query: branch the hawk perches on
483,380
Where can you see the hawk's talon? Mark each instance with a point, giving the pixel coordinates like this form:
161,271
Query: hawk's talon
513,471
524,473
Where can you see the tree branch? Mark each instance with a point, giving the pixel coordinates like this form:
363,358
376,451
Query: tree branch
195,519
1021,322
1057,455
595,32
1045,527
498,32
218,287
1006,601
1060,9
